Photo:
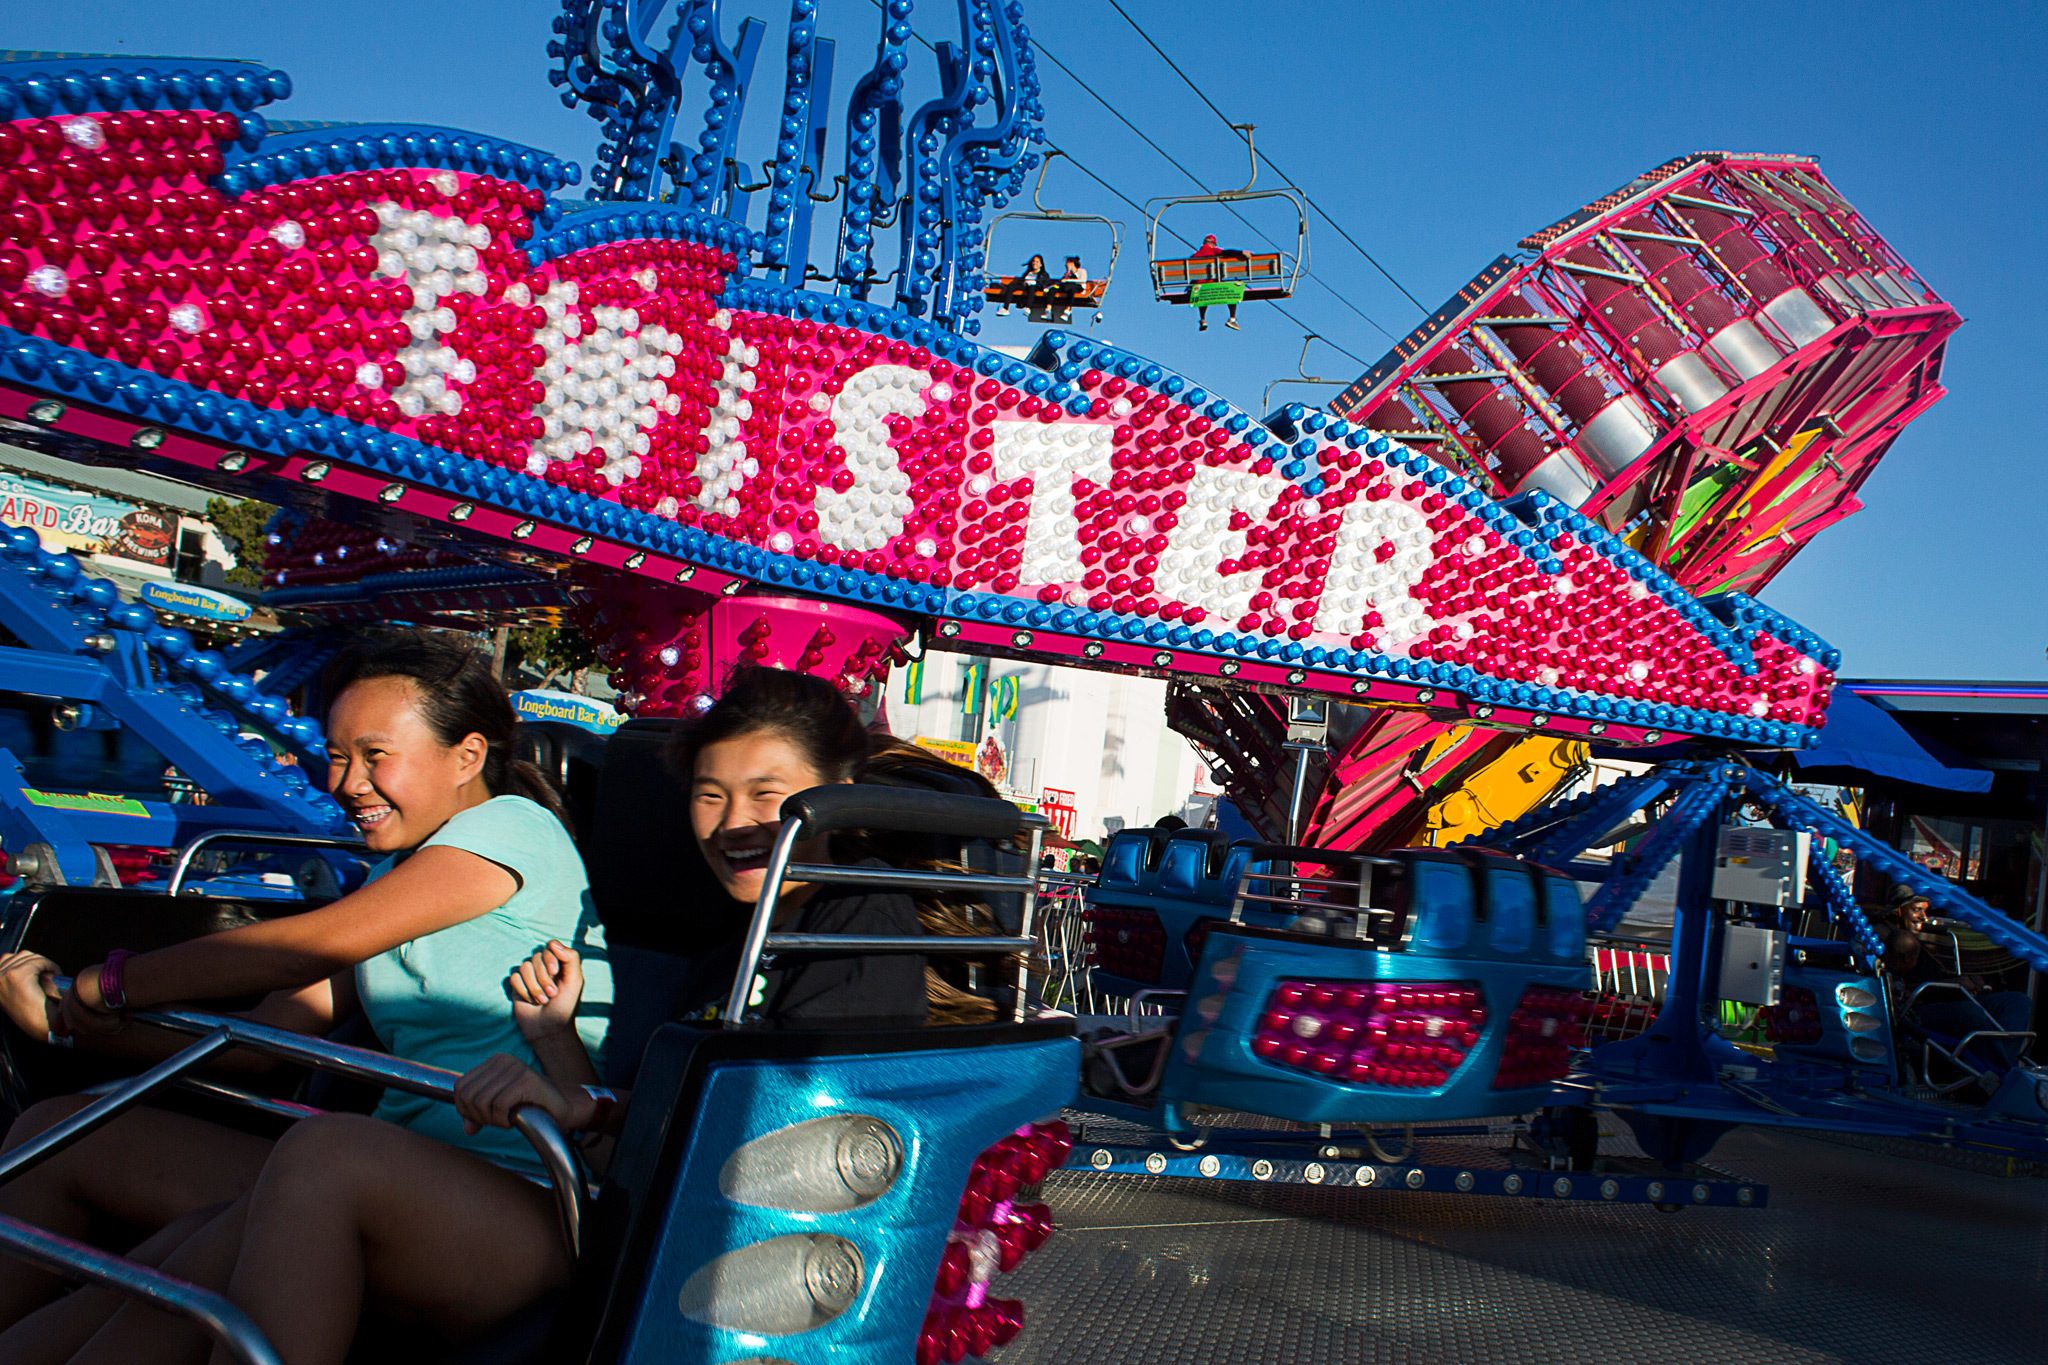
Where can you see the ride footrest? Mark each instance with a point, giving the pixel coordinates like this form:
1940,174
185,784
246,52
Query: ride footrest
1258,1163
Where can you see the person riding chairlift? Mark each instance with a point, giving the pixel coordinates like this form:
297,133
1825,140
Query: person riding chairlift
1208,250
1032,276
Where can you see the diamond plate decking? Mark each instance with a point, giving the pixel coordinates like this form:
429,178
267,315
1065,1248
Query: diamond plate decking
1861,1257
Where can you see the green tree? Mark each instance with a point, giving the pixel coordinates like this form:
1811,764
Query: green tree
555,650
239,522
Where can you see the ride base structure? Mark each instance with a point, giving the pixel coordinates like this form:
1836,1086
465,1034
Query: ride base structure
636,398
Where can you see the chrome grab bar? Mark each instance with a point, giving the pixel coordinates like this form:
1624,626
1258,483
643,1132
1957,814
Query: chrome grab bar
220,1031
75,1260
253,836
895,943
781,869
108,1106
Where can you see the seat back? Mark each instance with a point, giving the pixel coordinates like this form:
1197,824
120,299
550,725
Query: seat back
796,1185
76,926
650,884
571,757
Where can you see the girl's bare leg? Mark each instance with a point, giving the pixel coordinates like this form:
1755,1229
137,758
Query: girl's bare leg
147,1167
352,1210
54,1333
137,1334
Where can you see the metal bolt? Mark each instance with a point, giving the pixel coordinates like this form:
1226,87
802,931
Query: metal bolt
1313,1173
1561,1187
1415,1179
1464,1182
1609,1189
1155,1162
1211,1166
1261,1169
1699,1194
1655,1189
1745,1196
1100,1158
1512,1185
1366,1175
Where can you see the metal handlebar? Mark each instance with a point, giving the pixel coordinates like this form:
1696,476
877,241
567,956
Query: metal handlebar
75,1260
218,1032
253,836
841,806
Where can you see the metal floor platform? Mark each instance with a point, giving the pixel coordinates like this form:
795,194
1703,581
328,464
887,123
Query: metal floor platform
1861,1257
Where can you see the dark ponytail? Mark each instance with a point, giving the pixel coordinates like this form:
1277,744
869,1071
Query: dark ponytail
459,697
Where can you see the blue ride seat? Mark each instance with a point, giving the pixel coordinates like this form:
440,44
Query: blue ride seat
1424,984
682,1241
1830,1015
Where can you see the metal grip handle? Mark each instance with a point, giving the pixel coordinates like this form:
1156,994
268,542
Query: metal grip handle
849,806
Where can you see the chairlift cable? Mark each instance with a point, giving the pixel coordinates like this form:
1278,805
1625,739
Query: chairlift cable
1200,184
1040,48
1190,82
1190,246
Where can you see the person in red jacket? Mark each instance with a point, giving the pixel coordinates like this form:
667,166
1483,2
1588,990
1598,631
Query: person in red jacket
1208,250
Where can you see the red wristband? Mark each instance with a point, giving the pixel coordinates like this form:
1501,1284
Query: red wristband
605,1101
114,979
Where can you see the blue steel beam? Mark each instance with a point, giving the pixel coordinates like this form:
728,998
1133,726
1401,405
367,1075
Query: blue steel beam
2008,933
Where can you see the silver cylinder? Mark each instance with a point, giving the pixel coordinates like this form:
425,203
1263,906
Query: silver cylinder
1616,435
1796,315
1746,350
1690,381
1561,475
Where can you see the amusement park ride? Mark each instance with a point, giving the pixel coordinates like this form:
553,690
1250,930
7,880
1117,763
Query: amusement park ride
1537,521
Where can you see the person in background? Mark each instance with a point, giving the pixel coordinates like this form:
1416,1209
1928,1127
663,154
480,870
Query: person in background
1914,961
1208,250
1032,276
1075,273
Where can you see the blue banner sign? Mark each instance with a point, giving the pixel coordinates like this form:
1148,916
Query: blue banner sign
187,600
546,704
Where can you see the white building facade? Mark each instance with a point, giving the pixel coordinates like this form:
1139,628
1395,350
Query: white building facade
1099,738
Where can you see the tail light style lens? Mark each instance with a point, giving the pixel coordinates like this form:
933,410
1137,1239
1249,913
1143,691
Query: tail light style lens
1866,1049
827,1165
992,1234
1547,1024
1393,1033
1794,1020
1853,997
1127,942
778,1287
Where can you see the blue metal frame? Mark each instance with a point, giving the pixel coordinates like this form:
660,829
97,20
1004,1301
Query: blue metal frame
119,666
1678,1083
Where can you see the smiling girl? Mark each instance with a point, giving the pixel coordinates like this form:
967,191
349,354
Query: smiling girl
349,1213
481,872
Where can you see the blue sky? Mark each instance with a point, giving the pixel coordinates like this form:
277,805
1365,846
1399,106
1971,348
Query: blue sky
1437,135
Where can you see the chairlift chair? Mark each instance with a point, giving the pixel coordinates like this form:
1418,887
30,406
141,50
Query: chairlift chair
1235,278
1055,301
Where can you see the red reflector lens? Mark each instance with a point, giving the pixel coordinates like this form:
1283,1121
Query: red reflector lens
1545,1027
1411,1034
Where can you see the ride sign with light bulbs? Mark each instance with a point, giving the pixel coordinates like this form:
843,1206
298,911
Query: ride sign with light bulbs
409,320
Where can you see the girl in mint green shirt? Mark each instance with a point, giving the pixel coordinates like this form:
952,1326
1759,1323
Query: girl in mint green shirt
482,873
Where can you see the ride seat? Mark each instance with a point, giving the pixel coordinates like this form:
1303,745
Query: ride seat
76,926
570,757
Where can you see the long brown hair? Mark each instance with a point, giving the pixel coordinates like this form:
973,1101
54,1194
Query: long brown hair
459,696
